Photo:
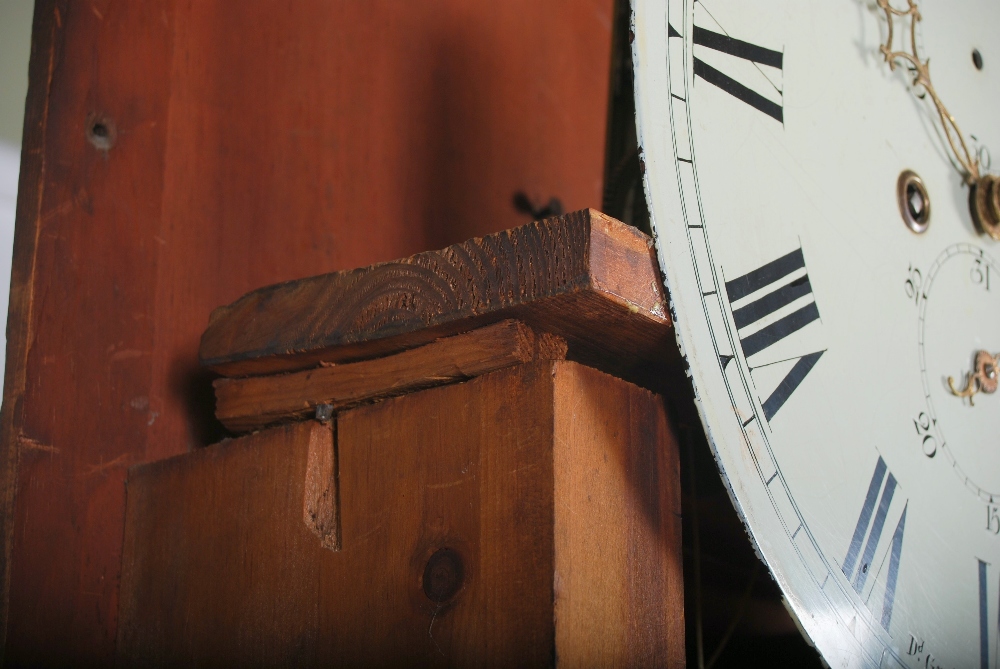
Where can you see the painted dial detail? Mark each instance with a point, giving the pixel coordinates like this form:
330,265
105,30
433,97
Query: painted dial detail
819,329
949,331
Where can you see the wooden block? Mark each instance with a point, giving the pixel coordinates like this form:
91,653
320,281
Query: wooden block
618,573
583,276
219,565
251,403
528,516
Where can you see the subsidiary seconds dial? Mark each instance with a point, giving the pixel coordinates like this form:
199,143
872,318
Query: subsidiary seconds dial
958,324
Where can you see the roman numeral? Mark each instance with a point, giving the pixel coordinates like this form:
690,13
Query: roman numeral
770,276
740,49
893,575
871,524
984,620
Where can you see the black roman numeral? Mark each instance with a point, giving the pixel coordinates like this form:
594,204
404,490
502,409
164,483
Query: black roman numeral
984,620
781,296
984,616
740,49
871,523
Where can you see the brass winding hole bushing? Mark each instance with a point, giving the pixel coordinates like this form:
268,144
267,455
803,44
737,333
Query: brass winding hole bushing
984,203
914,201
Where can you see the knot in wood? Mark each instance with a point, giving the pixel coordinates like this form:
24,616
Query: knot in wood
443,575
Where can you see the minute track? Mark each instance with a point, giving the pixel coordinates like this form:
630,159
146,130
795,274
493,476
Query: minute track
740,49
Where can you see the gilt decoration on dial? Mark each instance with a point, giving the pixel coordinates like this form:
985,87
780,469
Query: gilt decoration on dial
984,188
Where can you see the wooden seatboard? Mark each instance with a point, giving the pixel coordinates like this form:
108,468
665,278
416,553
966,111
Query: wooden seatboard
244,404
583,276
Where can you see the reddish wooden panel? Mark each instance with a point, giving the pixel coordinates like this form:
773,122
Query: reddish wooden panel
248,146
84,360
315,136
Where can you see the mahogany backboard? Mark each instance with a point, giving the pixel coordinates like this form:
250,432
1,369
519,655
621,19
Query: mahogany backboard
178,154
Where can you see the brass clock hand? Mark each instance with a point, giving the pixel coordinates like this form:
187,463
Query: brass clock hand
982,379
984,195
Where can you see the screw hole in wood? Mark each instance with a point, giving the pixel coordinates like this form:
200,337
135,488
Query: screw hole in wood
101,133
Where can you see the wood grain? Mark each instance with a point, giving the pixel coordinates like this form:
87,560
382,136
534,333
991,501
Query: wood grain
205,559
466,467
619,595
583,276
350,133
20,306
251,403
555,485
228,574
77,407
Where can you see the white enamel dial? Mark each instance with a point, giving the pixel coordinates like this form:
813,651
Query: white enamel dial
819,329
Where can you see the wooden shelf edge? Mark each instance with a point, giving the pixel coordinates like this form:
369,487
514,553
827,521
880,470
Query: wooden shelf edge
583,276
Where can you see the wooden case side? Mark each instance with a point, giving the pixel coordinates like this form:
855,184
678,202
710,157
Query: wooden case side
77,407
618,563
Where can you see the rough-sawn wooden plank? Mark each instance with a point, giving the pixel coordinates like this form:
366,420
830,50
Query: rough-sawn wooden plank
583,276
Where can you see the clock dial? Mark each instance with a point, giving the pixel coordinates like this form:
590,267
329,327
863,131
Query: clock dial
823,297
